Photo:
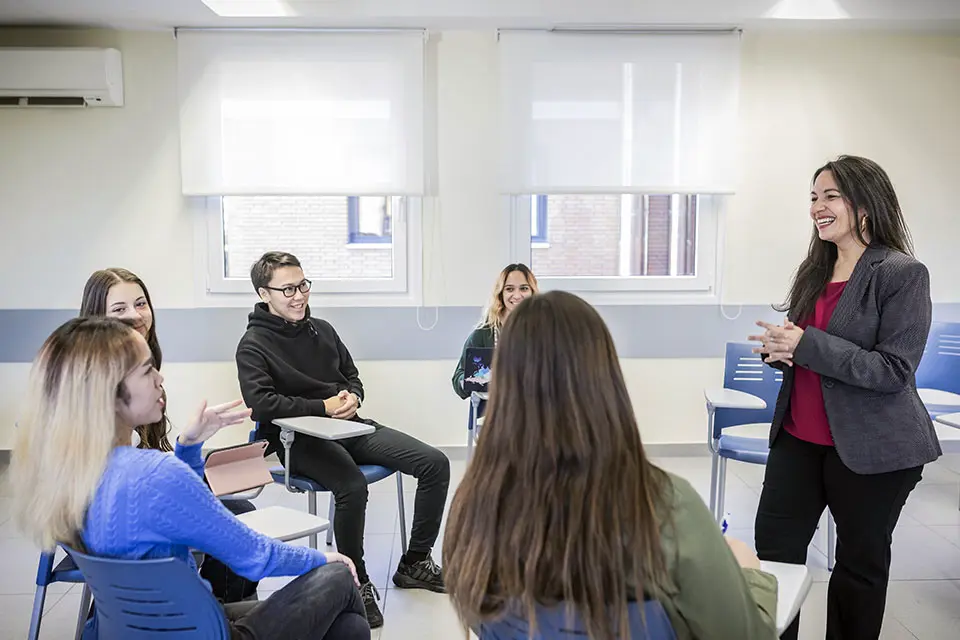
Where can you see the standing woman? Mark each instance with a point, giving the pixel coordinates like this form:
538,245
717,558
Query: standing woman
514,283
849,431
119,293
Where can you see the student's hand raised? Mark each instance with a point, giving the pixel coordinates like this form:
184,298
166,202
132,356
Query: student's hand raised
208,420
349,407
333,556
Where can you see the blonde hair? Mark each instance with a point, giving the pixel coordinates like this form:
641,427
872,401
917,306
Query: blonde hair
68,426
493,313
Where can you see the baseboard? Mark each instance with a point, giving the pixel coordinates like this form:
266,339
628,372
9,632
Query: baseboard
657,450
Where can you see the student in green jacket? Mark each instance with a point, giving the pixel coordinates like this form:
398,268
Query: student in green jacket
514,284
561,504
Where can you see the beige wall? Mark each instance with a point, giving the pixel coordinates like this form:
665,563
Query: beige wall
83,189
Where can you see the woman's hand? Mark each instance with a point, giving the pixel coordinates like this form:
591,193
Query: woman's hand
779,343
209,420
333,556
745,556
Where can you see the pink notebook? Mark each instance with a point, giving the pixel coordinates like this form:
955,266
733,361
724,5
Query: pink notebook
237,469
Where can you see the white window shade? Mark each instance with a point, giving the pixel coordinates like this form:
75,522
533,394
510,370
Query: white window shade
619,113
301,113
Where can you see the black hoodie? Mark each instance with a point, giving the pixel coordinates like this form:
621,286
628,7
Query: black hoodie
287,369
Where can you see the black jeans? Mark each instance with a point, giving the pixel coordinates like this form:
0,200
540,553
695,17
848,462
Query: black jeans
800,480
334,465
226,585
323,603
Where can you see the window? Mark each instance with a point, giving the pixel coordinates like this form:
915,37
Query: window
538,221
664,242
369,221
322,231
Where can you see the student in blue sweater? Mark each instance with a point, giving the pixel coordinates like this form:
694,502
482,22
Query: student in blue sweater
77,481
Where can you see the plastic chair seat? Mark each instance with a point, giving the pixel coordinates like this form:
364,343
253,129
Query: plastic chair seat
745,443
372,472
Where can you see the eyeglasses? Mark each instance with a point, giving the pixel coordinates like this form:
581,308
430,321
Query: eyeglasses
289,292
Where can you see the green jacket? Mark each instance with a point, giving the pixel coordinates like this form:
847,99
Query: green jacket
482,338
712,597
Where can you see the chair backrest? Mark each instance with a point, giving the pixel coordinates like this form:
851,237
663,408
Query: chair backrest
647,620
940,366
745,371
154,598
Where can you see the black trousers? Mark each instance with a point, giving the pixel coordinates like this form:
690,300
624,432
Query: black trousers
801,480
334,464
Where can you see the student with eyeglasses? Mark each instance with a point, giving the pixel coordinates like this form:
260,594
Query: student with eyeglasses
291,364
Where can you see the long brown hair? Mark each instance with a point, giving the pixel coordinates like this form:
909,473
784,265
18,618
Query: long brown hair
493,313
94,304
869,195
560,503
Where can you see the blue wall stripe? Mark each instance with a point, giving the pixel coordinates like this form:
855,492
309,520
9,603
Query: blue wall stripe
392,333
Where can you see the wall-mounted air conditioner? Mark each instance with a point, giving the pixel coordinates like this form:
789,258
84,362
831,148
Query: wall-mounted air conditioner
81,77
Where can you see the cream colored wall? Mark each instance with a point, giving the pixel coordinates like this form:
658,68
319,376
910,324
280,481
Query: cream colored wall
83,189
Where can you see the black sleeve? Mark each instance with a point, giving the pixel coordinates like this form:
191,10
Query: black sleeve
477,338
260,393
348,368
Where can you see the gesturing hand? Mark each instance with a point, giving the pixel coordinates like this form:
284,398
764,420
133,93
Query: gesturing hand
778,342
209,420
349,407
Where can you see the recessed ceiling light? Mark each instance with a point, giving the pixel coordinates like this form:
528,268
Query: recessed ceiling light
252,8
808,10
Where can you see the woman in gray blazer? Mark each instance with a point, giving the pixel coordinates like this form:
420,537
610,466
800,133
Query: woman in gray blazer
849,430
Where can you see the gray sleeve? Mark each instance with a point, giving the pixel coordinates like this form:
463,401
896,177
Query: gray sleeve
905,315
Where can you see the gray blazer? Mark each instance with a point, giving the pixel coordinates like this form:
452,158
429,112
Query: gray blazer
867,359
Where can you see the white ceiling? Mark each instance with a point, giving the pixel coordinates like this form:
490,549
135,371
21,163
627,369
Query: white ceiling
153,14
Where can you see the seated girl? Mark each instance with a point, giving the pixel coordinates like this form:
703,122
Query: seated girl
118,293
514,284
77,481
561,505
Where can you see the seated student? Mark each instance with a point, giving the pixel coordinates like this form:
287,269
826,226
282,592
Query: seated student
560,503
514,284
118,293
291,364
77,481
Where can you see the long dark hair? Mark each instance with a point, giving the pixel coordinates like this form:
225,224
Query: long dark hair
869,195
94,303
560,503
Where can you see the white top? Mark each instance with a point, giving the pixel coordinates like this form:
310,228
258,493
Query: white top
793,584
283,523
324,428
732,399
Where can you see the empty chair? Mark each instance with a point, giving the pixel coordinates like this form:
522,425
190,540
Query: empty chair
938,376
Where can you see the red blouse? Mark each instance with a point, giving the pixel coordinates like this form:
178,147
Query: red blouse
807,418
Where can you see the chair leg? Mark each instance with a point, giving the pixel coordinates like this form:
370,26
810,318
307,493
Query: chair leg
37,615
312,508
831,540
714,477
85,597
403,513
330,513
721,488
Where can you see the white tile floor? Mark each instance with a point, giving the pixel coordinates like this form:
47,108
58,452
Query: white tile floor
923,601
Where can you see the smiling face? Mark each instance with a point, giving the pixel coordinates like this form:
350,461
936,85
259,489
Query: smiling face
830,211
140,398
128,302
515,289
293,308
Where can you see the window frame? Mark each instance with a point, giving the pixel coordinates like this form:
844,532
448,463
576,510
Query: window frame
406,247
354,237
703,287
541,237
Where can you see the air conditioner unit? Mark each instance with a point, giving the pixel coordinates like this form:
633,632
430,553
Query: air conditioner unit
49,77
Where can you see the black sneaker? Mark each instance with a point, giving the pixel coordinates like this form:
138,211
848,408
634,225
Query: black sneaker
370,596
420,575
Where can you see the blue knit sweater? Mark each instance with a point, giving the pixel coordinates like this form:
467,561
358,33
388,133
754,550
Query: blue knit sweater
153,505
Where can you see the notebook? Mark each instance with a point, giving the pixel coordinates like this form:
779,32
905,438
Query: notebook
476,369
237,469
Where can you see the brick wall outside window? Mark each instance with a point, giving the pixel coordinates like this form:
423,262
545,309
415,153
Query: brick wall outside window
313,228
